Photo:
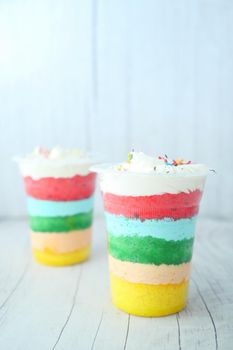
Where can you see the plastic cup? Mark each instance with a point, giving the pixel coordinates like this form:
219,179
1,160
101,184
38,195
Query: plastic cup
60,210
150,221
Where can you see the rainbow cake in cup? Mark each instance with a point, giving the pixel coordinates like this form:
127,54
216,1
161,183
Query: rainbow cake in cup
151,207
59,188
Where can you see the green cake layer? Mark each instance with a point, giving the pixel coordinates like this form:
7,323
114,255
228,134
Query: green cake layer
61,223
150,250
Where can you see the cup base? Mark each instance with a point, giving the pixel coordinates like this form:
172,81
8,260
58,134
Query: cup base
49,258
148,300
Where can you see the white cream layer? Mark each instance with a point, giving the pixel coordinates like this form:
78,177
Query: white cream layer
56,163
39,169
143,175
139,162
137,184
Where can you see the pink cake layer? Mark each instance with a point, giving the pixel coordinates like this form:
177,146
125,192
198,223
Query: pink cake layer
176,206
61,189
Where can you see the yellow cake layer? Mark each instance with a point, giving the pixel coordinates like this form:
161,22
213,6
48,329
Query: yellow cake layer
48,257
146,299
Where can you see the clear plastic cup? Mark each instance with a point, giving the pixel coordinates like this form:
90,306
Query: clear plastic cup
60,208
150,221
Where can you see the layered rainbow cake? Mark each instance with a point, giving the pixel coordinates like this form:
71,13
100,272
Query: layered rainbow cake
60,189
151,206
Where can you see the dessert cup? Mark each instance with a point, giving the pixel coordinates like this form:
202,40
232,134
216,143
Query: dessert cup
150,220
59,189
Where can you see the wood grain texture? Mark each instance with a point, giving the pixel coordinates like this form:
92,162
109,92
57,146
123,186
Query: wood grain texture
70,308
45,84
110,76
110,131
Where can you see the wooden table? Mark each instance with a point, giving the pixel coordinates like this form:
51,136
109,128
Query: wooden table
70,308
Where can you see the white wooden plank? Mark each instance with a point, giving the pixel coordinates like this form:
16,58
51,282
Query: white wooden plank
112,333
219,255
153,333
207,104
162,77
214,281
94,318
71,307
196,329
181,83
220,312
44,83
41,306
152,75
14,259
39,301
110,132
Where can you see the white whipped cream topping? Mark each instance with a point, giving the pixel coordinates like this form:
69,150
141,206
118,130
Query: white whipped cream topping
133,184
57,162
142,163
143,175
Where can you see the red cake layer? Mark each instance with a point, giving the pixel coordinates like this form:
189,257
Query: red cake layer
61,189
176,206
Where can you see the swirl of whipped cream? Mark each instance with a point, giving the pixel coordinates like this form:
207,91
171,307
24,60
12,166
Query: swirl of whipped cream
57,163
143,175
139,162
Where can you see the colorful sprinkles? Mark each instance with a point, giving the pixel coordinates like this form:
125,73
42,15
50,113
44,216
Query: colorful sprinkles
175,162
130,157
167,162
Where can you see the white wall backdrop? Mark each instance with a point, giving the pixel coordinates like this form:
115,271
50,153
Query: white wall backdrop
110,75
